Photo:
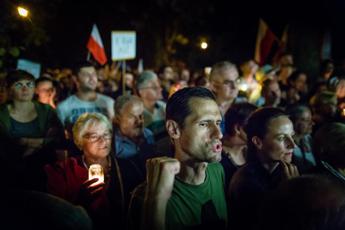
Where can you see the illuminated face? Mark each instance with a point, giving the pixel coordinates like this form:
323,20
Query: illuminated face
152,91
131,120
87,79
200,139
97,141
45,91
249,67
225,84
23,90
278,143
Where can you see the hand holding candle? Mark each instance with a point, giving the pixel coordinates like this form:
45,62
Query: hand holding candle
96,171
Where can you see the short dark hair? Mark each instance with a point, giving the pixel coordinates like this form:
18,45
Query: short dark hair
18,75
237,114
82,64
44,78
257,126
177,108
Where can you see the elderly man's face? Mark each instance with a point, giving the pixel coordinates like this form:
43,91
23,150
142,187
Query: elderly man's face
131,120
224,84
152,91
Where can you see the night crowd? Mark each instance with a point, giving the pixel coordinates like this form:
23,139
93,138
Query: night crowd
233,147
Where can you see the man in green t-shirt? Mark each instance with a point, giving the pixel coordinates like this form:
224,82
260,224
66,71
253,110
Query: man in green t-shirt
187,192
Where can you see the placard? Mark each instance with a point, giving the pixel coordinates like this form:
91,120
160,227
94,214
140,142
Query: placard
123,45
29,66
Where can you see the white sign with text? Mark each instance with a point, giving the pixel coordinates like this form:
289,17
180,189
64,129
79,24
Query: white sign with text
123,45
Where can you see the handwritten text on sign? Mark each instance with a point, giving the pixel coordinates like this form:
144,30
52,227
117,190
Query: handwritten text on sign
123,45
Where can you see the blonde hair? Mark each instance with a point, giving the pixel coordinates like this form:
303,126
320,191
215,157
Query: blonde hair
84,122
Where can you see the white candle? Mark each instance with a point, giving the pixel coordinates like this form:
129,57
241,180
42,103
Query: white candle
96,171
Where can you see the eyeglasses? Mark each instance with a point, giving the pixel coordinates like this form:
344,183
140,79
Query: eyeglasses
229,83
20,85
92,138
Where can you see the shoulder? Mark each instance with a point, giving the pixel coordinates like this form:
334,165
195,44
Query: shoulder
247,176
215,167
105,98
161,104
68,163
3,110
148,134
43,107
65,103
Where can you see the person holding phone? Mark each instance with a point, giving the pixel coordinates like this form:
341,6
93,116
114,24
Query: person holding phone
270,147
68,179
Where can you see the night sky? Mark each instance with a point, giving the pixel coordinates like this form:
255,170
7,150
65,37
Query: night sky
230,27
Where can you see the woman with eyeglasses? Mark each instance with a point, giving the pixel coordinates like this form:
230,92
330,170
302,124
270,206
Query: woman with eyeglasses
29,133
69,179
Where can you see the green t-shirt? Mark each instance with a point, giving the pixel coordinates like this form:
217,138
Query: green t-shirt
199,206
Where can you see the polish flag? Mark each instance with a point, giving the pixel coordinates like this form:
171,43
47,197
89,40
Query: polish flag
264,42
95,46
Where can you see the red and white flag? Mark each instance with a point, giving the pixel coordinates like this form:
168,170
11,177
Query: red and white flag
264,43
95,46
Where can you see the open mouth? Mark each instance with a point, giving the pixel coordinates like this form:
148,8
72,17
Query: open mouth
288,154
217,147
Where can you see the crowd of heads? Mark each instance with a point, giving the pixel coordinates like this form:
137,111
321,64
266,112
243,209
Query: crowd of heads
270,111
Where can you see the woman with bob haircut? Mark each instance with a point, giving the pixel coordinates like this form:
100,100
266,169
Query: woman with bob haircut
68,179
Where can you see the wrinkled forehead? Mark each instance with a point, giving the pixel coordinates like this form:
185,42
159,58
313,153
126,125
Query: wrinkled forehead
133,107
230,74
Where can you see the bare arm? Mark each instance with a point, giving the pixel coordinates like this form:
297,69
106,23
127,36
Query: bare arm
160,181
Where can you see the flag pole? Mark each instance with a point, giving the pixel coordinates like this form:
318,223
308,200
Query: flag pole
123,77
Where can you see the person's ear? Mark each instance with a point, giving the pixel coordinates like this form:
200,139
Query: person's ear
173,129
212,86
75,80
257,142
